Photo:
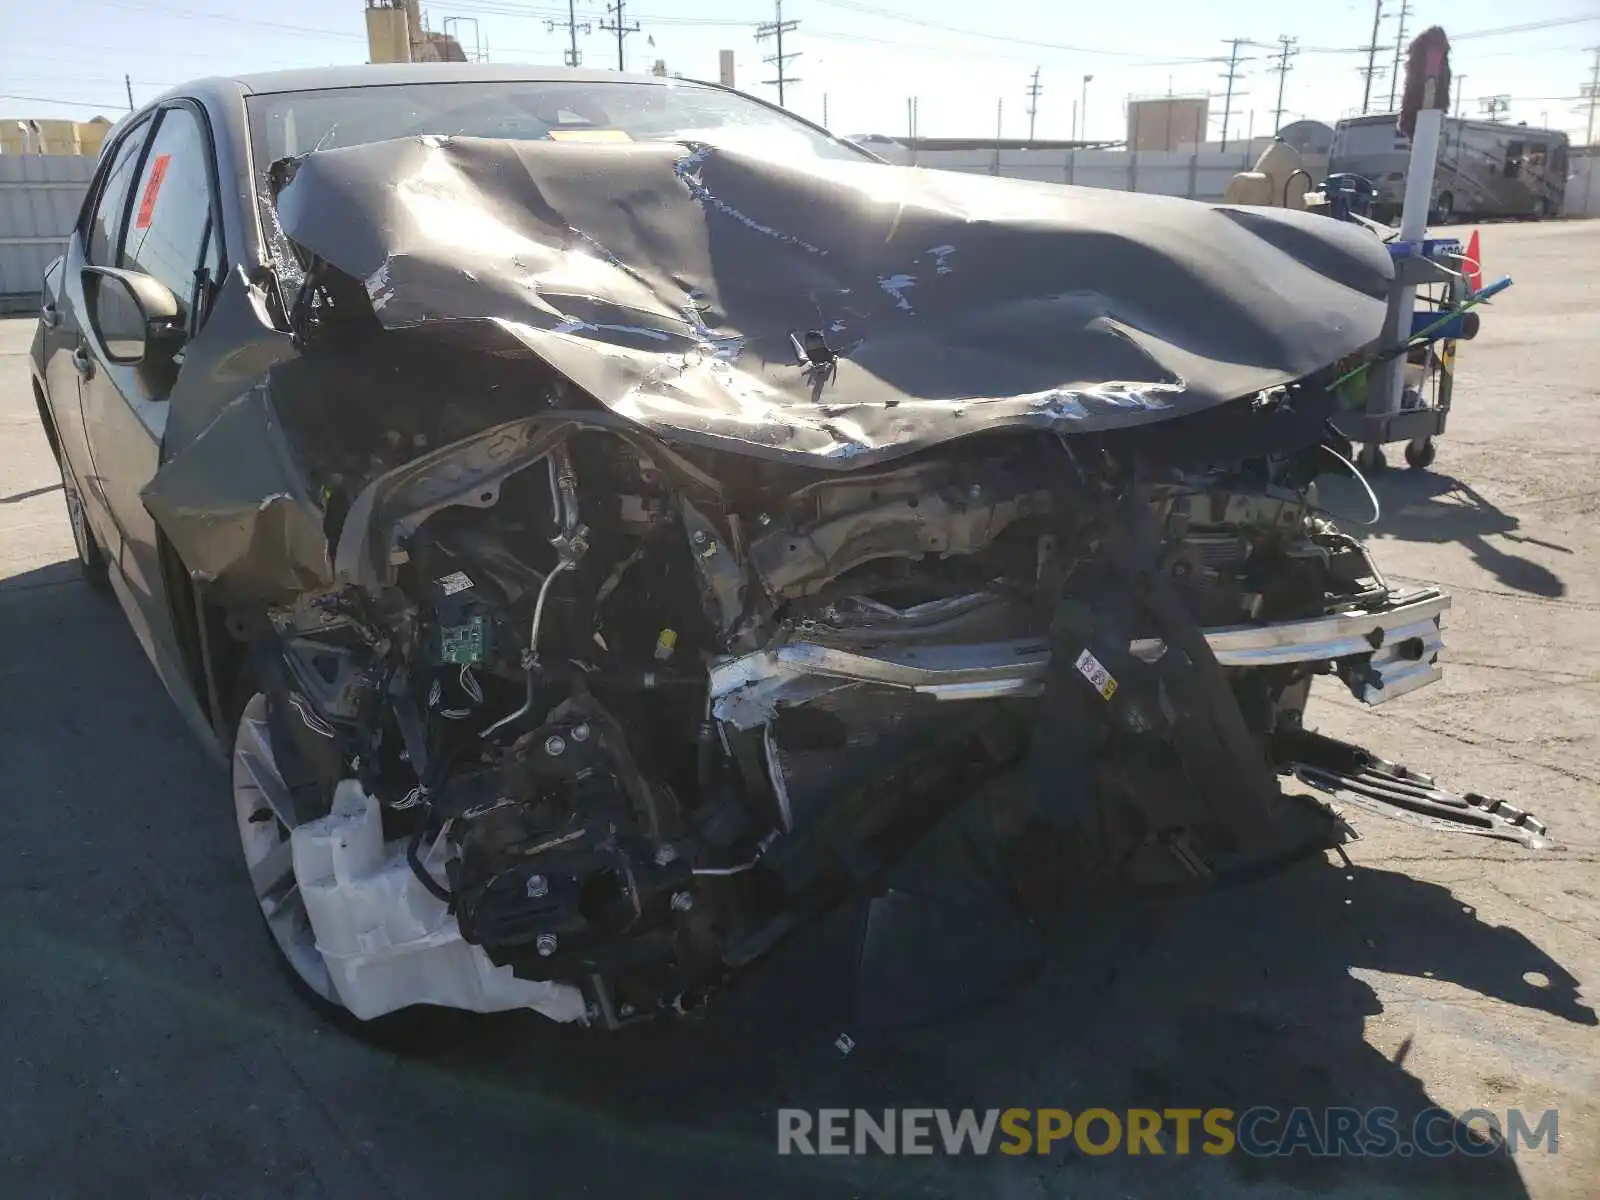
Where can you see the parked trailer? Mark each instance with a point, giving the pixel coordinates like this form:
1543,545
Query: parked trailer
1485,169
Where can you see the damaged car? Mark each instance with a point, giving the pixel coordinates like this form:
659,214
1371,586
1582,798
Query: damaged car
608,523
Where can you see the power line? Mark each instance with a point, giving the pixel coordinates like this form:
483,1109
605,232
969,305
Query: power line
1033,43
572,56
1399,49
1287,52
1528,27
907,18
619,27
1372,58
1230,75
190,14
58,100
1033,101
775,29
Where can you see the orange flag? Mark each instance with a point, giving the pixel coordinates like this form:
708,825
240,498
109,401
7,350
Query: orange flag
1474,264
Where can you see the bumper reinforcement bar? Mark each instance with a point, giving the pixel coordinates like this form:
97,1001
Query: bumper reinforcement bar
1382,653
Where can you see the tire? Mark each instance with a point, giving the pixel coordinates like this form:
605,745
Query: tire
1371,460
1443,209
261,803
1420,455
91,558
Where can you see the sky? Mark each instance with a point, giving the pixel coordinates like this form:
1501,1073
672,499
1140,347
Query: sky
860,62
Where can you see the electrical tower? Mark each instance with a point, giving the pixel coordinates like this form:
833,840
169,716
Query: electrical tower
1399,53
775,29
619,27
573,26
1286,52
1033,101
1230,75
1371,69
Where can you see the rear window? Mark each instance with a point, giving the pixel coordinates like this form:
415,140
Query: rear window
288,124
1368,137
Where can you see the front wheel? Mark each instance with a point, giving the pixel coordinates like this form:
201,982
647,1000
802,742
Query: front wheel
265,811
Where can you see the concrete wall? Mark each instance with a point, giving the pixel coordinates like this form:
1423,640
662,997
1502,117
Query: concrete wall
1202,176
40,195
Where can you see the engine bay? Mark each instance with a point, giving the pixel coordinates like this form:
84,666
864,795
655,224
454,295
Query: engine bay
624,720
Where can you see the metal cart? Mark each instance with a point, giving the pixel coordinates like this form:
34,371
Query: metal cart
1436,275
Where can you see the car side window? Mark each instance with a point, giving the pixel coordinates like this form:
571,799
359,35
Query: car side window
170,211
105,225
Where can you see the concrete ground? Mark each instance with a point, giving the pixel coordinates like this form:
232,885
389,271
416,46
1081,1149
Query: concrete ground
148,1047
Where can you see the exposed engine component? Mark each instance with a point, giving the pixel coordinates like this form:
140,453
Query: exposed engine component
557,707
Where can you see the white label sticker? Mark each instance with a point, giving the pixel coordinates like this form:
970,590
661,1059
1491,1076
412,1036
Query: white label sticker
1091,669
456,581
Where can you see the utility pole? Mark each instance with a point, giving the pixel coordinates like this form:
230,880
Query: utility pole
1033,102
1285,53
573,26
1459,86
1083,131
128,83
1372,58
1591,93
1399,51
1231,74
999,125
775,29
619,27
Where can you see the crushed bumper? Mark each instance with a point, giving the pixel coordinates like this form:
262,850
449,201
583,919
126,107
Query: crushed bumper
1379,652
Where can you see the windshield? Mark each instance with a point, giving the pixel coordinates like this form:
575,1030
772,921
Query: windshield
286,124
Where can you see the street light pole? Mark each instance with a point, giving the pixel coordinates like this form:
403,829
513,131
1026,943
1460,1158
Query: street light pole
1083,109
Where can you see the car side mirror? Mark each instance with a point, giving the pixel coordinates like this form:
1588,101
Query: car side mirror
136,316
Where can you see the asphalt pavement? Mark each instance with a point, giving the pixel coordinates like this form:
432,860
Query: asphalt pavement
149,1046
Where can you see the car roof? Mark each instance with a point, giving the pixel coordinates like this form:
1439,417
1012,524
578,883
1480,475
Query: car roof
308,79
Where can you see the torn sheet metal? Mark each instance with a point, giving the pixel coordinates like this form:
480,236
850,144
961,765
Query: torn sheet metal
670,282
237,346
237,508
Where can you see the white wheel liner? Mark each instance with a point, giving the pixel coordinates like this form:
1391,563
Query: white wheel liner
348,913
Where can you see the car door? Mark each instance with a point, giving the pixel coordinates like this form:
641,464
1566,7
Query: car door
170,232
65,350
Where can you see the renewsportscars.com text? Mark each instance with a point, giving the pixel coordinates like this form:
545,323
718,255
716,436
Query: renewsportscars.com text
1257,1132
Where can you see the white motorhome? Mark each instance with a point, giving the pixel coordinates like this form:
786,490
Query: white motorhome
1485,169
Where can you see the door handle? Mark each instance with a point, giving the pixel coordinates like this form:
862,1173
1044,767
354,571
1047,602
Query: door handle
50,316
82,361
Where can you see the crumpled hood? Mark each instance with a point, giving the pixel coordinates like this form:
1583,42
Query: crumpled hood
671,281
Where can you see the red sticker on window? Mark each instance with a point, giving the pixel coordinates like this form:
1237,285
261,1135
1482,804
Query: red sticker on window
147,206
